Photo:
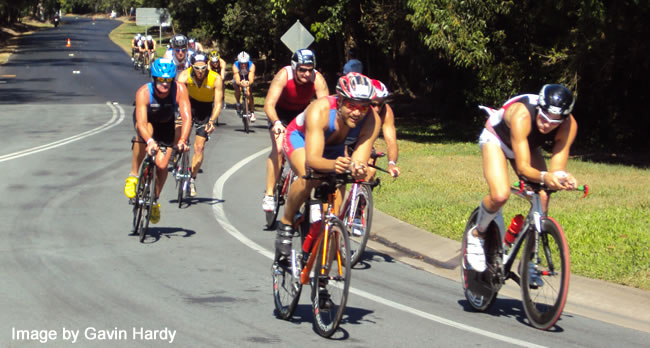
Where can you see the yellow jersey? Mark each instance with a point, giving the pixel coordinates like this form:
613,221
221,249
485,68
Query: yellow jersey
205,92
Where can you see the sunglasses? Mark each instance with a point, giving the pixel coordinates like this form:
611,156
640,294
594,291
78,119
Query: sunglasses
305,70
164,79
550,120
356,106
199,67
180,49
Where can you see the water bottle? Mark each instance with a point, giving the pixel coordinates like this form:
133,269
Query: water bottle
513,230
314,228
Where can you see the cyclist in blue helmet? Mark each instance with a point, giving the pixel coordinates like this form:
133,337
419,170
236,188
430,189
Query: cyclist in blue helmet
155,109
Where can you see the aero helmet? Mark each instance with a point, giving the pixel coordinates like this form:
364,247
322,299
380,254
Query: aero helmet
179,41
356,87
163,67
243,57
556,99
303,57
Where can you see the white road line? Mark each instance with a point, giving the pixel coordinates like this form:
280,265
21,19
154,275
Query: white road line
221,218
117,109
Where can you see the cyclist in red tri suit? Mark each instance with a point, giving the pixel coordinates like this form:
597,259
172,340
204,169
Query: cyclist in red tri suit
516,132
291,90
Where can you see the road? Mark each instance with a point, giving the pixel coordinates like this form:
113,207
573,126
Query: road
70,266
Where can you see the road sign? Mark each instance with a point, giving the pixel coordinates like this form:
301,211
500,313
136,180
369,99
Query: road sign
297,37
149,16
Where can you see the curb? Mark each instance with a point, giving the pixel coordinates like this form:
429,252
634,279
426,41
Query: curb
592,298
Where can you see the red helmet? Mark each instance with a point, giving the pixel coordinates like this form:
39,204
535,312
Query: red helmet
355,86
381,92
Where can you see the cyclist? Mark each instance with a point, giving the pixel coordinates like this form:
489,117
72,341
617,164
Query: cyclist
194,45
243,71
353,65
316,139
516,132
291,90
178,53
134,46
150,47
153,118
218,65
205,90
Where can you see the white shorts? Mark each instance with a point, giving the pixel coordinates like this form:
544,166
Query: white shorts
489,137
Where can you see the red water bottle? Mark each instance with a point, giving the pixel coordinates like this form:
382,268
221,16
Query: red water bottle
314,229
513,230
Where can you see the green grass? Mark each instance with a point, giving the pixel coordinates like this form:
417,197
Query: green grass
608,232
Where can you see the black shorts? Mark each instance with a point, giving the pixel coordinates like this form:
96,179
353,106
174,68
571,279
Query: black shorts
163,132
201,112
285,116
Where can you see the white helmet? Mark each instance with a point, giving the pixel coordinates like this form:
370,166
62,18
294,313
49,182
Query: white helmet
243,57
149,37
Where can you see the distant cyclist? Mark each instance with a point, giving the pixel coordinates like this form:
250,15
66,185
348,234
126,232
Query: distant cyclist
194,45
316,139
205,90
217,64
150,47
134,46
243,71
516,133
155,107
291,90
179,53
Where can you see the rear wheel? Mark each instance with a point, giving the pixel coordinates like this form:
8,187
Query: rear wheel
545,275
183,172
278,197
245,115
331,282
148,197
359,226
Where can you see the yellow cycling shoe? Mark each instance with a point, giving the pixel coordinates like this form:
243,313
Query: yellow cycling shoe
129,186
155,213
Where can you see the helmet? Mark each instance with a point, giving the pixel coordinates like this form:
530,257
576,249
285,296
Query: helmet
137,36
556,99
191,41
179,41
199,57
149,37
381,92
163,67
214,56
243,57
355,86
303,57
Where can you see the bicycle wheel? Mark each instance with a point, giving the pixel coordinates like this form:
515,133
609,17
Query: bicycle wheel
286,274
359,227
477,286
545,279
245,116
148,198
183,172
331,282
278,197
138,200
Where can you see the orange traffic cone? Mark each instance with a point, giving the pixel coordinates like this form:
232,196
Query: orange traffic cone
68,44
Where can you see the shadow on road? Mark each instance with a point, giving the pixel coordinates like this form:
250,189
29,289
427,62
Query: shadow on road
509,308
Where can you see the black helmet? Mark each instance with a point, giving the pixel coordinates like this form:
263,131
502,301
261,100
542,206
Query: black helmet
179,41
556,99
303,57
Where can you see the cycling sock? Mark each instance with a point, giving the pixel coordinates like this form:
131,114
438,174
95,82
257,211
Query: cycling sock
484,218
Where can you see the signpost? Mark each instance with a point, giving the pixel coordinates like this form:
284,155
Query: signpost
297,37
149,16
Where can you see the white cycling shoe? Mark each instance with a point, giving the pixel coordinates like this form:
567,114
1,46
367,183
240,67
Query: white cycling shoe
475,251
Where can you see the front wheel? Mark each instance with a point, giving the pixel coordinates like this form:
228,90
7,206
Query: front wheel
286,276
278,198
545,275
331,282
358,220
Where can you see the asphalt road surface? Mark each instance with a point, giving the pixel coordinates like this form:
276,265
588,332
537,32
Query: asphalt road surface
69,266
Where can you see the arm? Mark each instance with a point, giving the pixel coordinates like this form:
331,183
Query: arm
182,76
251,74
390,136
367,137
272,97
564,138
518,118
235,74
321,86
316,121
141,121
222,67
216,104
184,109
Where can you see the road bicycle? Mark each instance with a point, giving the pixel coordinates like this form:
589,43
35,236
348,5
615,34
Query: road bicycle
145,195
182,173
280,192
326,267
245,112
544,265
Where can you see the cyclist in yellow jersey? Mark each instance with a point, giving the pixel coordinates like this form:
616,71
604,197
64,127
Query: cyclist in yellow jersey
205,88
218,65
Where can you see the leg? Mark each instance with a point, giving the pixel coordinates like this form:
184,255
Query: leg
162,160
299,189
495,171
273,162
197,158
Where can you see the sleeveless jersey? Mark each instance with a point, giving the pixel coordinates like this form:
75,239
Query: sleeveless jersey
535,138
161,110
296,97
205,92
243,69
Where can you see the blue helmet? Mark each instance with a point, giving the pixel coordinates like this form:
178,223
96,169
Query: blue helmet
163,67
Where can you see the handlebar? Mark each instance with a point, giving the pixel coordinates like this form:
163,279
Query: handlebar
520,185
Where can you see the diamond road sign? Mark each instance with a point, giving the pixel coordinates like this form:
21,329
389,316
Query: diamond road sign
297,37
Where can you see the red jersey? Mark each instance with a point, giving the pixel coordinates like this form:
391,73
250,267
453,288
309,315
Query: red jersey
296,97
